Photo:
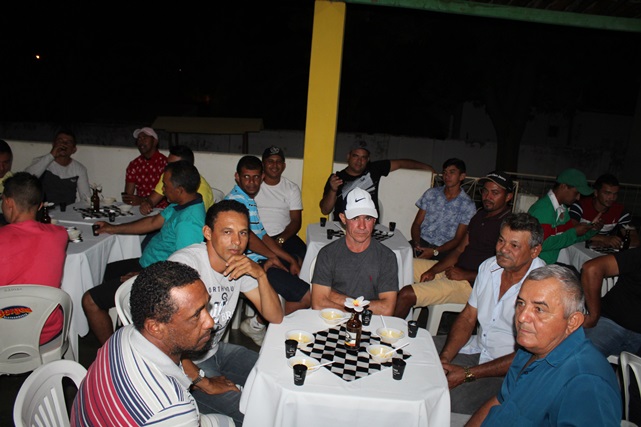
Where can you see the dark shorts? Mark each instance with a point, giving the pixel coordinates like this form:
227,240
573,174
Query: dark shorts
104,295
288,286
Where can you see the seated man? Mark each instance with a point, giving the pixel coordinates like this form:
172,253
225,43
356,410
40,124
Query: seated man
361,173
226,273
552,212
136,378
180,225
443,214
6,160
476,363
450,279
356,265
557,377
32,253
176,153
613,322
144,171
616,220
280,204
264,250
63,178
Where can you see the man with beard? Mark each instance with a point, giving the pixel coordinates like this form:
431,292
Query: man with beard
226,272
450,279
137,378
361,173
475,364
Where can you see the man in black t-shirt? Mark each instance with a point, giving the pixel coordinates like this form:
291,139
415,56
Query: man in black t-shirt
361,173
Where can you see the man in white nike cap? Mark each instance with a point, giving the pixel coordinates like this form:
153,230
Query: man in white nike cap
356,265
144,171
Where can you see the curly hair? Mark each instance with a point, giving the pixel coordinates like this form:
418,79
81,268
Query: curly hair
150,294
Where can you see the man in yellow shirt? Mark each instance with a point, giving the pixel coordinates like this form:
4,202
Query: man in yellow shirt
176,153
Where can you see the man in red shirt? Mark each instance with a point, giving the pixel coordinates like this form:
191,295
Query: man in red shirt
144,171
32,253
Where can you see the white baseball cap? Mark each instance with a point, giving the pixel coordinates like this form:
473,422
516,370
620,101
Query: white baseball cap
146,131
359,202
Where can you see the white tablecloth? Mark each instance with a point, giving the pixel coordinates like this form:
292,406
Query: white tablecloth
317,238
86,261
270,397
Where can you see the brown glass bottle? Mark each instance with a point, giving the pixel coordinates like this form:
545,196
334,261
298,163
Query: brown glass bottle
46,219
626,241
353,328
95,201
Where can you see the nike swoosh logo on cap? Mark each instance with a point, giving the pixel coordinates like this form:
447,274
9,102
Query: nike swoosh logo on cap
358,200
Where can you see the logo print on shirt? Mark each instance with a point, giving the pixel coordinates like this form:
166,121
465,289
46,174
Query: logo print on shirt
358,200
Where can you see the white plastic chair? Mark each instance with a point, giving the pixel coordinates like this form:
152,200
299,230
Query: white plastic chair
122,301
41,399
434,314
26,309
629,361
218,194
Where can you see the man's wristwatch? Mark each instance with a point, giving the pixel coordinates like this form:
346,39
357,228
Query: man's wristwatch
280,240
199,378
469,376
436,252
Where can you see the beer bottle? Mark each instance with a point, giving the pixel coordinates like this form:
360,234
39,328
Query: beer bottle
626,240
46,219
353,328
95,201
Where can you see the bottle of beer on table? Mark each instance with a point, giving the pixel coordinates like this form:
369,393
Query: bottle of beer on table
353,328
46,219
626,240
95,201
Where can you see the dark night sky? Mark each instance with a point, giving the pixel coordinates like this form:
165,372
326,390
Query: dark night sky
404,71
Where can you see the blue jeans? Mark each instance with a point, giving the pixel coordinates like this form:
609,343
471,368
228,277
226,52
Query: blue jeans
234,362
611,338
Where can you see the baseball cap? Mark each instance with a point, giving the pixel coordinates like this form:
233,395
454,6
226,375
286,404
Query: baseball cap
146,131
359,145
575,178
501,179
359,202
273,151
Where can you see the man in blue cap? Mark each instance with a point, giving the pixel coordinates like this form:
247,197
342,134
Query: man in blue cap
552,212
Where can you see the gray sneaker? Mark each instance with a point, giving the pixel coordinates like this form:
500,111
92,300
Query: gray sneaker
257,335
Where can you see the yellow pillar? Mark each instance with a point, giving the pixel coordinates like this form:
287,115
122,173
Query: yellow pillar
322,105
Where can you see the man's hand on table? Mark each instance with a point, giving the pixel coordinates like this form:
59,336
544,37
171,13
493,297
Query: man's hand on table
131,199
607,241
455,374
104,227
145,207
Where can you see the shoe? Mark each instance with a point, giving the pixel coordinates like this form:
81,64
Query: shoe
257,335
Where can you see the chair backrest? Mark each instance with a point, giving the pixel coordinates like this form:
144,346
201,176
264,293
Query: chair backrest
41,398
24,309
218,194
627,362
122,301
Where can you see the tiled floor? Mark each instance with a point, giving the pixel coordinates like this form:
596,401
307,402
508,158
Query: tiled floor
10,384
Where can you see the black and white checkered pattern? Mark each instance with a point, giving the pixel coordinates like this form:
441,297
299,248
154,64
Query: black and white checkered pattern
379,235
329,345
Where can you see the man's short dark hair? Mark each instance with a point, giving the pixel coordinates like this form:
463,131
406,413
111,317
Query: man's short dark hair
25,189
5,148
150,293
525,222
251,163
185,175
457,163
225,206
66,131
607,179
183,152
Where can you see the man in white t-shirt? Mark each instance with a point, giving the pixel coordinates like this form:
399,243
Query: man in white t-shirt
280,205
226,272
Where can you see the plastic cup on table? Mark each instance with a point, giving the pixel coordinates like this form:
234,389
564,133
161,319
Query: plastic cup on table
412,328
398,368
300,371
392,226
323,221
290,348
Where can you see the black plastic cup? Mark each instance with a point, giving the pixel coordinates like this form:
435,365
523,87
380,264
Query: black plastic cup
392,226
63,206
95,228
330,234
300,371
112,216
290,348
366,317
398,368
412,328
323,221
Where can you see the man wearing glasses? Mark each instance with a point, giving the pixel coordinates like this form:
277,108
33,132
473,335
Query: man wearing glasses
450,279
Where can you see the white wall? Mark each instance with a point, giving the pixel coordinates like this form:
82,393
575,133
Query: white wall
106,166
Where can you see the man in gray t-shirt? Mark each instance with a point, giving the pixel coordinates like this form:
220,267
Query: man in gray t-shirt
356,265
